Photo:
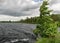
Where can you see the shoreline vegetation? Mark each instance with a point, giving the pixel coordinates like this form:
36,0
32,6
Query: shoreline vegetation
47,29
34,20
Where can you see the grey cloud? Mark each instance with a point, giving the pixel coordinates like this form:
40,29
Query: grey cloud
30,7
52,2
55,2
19,10
56,12
12,13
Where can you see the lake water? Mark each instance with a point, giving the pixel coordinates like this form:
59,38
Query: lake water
19,30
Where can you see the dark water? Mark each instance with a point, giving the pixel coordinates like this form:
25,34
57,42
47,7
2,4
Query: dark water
17,31
10,32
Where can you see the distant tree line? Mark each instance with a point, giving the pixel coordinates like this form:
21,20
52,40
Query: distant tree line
34,20
56,17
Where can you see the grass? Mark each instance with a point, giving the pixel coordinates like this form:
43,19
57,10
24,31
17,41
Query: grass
49,40
59,24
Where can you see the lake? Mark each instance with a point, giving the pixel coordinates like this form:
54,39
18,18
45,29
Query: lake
18,31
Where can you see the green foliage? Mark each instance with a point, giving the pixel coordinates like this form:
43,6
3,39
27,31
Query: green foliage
36,20
56,17
46,27
45,40
44,9
59,24
48,40
56,39
32,20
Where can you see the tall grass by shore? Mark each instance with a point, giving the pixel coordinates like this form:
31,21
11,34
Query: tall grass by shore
49,40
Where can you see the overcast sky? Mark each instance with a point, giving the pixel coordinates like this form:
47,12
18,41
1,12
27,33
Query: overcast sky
20,9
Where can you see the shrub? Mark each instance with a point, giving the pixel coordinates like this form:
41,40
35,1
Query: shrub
46,27
48,40
56,39
59,24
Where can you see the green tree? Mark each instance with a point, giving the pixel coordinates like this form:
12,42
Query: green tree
46,27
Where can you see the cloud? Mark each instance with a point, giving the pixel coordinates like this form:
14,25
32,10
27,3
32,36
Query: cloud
12,12
18,7
55,6
7,18
37,0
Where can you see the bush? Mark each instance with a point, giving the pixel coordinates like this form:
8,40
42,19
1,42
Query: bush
47,26
48,40
59,24
56,39
46,29
45,40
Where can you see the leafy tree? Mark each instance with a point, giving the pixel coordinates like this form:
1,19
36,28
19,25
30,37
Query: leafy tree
46,27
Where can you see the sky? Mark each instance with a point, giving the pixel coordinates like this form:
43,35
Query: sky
20,9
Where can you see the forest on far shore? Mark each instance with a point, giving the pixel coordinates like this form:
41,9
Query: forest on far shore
33,20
